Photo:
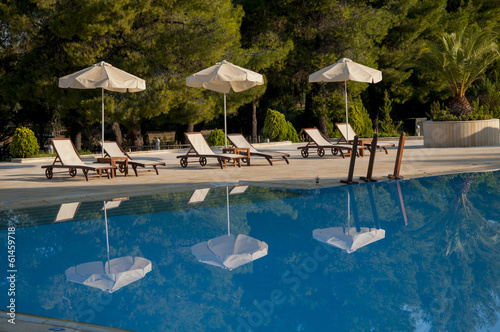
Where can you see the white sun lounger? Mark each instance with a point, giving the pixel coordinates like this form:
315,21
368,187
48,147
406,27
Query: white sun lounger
348,135
113,150
321,143
201,150
240,142
67,157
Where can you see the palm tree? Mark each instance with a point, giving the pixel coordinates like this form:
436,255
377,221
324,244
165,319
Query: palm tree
459,60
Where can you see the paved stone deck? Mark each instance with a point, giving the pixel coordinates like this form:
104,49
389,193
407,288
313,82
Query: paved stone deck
23,184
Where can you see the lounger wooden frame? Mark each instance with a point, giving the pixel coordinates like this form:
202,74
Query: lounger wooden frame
201,150
325,144
131,161
240,142
345,129
78,164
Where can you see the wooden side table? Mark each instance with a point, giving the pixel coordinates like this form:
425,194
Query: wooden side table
246,152
112,161
361,143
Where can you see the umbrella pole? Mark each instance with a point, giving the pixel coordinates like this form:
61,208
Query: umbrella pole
227,201
107,238
225,123
348,209
102,122
346,112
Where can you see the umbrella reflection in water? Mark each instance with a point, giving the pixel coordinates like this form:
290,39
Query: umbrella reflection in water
226,251
115,273
350,238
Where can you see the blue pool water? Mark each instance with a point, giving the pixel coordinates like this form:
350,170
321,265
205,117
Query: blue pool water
414,255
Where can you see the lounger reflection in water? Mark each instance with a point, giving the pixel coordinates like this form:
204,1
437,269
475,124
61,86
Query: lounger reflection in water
348,238
67,211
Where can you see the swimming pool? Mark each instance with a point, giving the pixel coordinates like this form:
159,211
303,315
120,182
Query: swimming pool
412,255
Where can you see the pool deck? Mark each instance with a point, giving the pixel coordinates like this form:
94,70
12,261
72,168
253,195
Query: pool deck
25,184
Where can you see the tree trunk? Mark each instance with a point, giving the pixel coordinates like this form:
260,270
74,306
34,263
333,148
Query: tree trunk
322,126
190,128
459,105
118,133
78,141
136,137
254,122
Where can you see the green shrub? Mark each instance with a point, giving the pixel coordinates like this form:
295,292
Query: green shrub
24,143
387,126
216,138
84,152
291,133
439,113
275,126
360,119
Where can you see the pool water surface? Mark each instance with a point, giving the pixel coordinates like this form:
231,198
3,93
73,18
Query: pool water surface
413,255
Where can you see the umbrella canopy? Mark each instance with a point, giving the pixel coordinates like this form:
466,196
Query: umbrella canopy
112,275
222,77
103,76
348,238
346,70
227,252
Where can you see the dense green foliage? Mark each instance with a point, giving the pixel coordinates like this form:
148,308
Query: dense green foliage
360,119
216,138
276,128
387,127
166,41
24,143
291,133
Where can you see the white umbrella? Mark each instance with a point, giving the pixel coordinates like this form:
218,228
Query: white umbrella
115,273
346,70
229,252
222,77
105,76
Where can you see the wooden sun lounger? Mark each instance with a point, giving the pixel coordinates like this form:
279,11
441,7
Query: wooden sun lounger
240,142
68,158
348,134
319,142
201,150
123,160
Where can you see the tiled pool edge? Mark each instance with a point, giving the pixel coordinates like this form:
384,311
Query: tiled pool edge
284,184
34,323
